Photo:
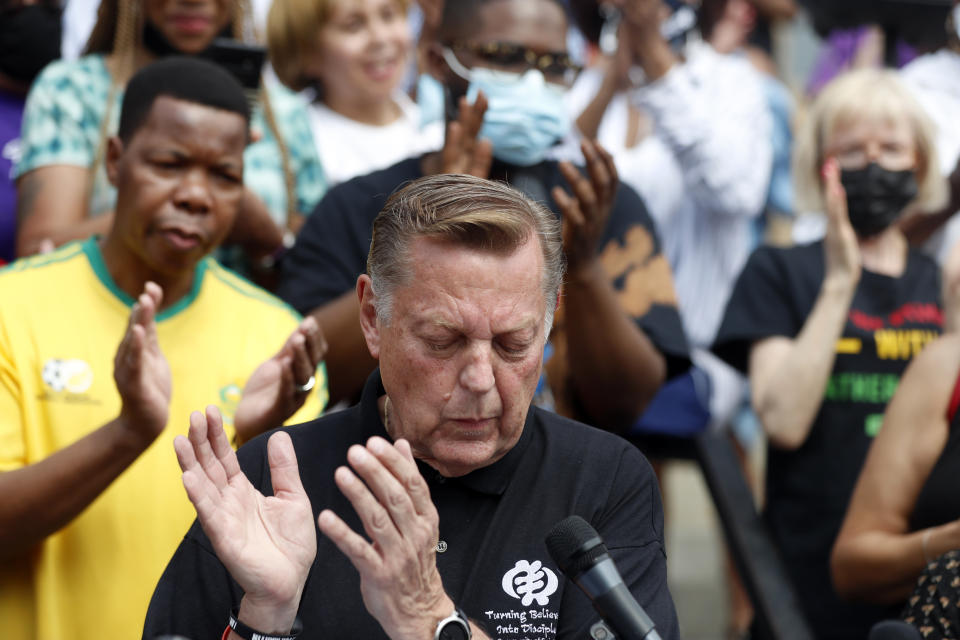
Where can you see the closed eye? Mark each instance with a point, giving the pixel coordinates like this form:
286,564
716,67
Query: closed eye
229,176
168,163
442,345
512,348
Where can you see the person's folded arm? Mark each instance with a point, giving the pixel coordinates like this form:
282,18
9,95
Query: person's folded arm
876,558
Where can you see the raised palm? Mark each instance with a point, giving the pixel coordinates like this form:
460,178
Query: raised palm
842,252
267,543
141,371
274,391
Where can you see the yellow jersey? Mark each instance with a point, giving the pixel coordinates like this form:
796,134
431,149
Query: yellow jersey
61,320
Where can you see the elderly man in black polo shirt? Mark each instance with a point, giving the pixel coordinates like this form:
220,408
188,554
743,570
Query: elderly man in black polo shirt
444,465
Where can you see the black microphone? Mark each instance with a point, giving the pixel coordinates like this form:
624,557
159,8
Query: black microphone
577,549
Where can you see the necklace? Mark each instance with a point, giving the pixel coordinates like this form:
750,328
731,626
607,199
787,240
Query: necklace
386,414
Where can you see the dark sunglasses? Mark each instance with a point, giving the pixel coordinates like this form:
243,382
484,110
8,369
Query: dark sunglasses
556,66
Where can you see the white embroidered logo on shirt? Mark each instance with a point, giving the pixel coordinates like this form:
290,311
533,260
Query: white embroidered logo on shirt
74,376
530,582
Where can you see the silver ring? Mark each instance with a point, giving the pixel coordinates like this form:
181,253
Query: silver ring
310,384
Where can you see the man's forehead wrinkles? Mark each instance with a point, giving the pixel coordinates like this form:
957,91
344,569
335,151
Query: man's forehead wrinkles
478,319
436,320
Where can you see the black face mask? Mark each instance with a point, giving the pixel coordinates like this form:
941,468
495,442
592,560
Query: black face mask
876,196
155,42
29,40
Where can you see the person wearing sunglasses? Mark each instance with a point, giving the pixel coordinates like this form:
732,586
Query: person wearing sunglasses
505,69
690,130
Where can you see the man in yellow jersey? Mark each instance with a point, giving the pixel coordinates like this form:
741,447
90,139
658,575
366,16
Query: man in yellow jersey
92,506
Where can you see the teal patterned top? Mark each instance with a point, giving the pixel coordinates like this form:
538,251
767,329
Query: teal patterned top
61,125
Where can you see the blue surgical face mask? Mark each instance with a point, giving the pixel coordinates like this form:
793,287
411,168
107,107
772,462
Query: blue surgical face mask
525,114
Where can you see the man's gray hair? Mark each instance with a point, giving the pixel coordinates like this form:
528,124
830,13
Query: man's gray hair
471,212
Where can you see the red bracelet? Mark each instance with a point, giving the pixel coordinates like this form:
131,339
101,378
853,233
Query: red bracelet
226,633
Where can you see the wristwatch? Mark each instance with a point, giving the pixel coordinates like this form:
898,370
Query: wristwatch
453,627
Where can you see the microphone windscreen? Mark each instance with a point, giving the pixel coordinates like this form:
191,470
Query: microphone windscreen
574,545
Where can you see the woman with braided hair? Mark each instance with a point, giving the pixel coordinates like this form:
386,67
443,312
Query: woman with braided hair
72,109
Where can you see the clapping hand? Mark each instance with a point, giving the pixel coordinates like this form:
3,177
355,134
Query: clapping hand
842,253
266,543
279,386
585,214
140,369
463,151
399,581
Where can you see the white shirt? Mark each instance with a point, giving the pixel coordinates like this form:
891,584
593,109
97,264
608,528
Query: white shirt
348,148
934,79
704,172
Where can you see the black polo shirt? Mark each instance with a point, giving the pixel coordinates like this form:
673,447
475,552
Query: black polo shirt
494,562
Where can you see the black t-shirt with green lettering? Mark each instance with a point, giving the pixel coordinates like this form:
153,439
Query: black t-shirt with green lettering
807,490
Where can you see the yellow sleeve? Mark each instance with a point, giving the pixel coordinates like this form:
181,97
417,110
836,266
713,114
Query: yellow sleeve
316,402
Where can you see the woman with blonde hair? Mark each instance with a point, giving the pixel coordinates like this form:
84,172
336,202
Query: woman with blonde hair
73,108
824,330
351,57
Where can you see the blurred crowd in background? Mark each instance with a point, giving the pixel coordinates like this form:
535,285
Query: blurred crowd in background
796,163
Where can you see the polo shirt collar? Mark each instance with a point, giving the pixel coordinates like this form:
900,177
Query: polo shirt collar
369,411
492,479
91,247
